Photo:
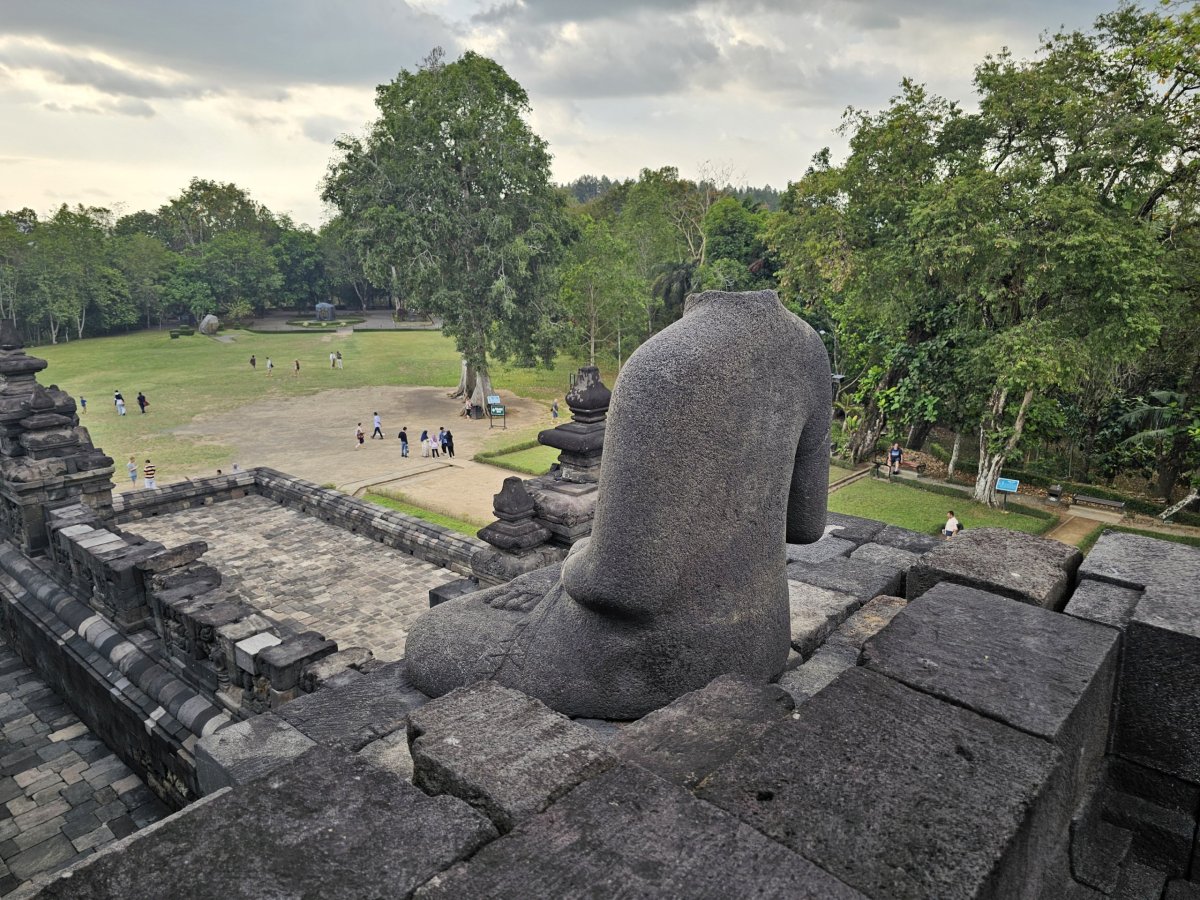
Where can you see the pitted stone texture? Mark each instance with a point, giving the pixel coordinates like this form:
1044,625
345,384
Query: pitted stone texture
826,548
352,715
880,785
1021,566
356,591
852,528
1162,837
815,613
688,739
628,833
503,752
863,579
1103,602
246,751
390,753
907,539
867,622
683,577
1135,561
63,794
1044,673
282,837
885,555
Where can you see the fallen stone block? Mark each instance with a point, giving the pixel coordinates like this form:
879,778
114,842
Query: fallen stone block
240,753
1103,602
906,539
390,753
826,548
815,613
809,679
852,528
1031,569
1135,561
688,739
328,825
629,833
503,752
860,578
1046,674
867,621
317,674
1162,837
885,555
878,784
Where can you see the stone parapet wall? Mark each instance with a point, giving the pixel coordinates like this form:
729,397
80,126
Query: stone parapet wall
134,505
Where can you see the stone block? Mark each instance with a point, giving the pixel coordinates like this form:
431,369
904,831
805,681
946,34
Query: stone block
317,674
1158,707
628,833
1021,566
852,528
1162,837
867,621
1135,561
452,589
245,751
1043,673
390,753
880,785
815,613
858,577
246,650
826,548
886,556
328,825
688,739
282,663
506,754
1178,889
351,716
1140,882
1103,602
819,671
906,539
1172,793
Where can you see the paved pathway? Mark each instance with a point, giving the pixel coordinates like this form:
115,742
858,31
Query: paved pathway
306,574
63,794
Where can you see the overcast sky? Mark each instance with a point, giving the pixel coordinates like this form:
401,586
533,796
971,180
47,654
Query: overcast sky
119,103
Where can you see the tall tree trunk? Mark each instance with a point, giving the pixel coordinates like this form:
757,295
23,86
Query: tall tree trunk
466,381
954,455
991,461
918,434
870,427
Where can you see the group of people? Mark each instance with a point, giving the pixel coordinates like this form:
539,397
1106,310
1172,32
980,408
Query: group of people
149,473
434,445
335,362
119,402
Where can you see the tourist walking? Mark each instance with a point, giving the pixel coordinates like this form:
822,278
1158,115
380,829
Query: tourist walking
131,468
149,471
295,368
359,436
895,455
424,439
253,362
434,444
378,422
119,402
554,411
952,526
270,367
142,402
403,435
332,359
338,355
441,438
82,403
448,444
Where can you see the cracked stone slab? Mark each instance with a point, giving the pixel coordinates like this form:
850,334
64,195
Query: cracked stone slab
815,612
861,578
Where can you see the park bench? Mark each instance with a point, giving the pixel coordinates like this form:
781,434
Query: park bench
882,470
1099,501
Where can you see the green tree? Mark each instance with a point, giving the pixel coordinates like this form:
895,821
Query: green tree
449,201
146,264
600,291
301,265
207,209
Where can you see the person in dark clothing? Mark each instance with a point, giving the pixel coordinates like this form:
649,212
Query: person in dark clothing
142,402
895,455
448,444
403,435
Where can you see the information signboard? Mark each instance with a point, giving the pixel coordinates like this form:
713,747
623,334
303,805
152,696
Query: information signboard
1007,485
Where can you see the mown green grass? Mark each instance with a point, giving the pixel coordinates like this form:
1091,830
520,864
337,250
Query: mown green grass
898,504
428,515
196,376
1089,539
531,461
837,473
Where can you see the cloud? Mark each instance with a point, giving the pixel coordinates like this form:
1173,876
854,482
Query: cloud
123,107
323,129
79,67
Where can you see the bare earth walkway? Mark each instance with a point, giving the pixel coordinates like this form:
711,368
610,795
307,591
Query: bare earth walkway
313,438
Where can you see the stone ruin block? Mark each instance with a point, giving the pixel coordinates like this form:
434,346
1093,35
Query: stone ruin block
686,740
506,754
632,834
826,548
452,589
860,578
880,785
885,555
1135,561
852,528
248,750
907,539
815,612
336,669
1021,566
282,663
1104,603
1043,673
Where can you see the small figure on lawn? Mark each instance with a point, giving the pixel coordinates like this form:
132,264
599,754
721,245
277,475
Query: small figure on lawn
142,402
895,457
952,526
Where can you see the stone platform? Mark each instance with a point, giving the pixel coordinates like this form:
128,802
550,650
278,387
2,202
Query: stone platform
306,574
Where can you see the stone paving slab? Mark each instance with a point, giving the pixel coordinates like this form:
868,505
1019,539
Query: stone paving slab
306,574
63,795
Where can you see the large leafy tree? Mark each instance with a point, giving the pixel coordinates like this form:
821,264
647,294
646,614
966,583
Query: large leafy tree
449,199
600,291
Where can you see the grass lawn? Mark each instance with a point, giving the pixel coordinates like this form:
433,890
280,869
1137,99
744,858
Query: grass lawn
898,504
837,473
530,461
191,377
427,515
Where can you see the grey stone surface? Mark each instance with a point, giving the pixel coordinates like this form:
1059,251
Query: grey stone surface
815,613
1135,561
503,752
867,621
245,751
280,837
1178,889
886,555
1098,850
818,672
628,833
852,528
390,753
880,785
1172,793
1042,672
826,548
907,539
689,738
683,577
451,589
1140,882
354,714
1162,837
210,324
1027,568
861,578
1103,602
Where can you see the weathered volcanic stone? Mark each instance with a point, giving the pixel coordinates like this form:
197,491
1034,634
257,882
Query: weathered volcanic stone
1135,561
1139,882
628,833
881,785
329,825
860,578
815,613
1100,601
1044,673
390,753
452,589
867,622
1027,568
683,577
1130,778
246,751
352,715
885,555
826,548
852,528
503,752
691,737
1162,837
906,539
1178,889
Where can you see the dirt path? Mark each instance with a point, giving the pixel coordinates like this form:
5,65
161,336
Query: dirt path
312,437
1071,529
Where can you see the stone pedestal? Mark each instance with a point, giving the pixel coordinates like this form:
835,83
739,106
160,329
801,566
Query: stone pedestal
582,439
518,542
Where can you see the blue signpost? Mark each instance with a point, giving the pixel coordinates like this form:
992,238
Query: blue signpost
1007,486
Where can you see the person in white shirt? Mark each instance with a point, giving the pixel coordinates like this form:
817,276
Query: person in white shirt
952,526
